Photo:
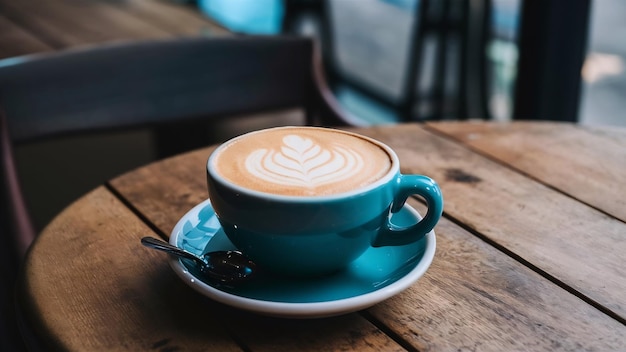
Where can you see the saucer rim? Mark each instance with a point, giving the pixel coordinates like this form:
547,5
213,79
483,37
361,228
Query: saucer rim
306,309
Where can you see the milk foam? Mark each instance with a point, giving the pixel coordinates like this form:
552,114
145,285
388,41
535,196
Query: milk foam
301,161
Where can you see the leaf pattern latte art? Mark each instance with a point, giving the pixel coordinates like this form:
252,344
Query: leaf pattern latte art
301,162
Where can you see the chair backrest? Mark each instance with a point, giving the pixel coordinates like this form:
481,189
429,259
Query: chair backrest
155,84
151,83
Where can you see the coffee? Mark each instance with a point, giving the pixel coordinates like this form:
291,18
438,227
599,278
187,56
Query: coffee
285,196
301,161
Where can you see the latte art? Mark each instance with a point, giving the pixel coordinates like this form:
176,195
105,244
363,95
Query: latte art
301,161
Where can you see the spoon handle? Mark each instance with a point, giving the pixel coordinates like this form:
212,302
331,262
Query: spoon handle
166,247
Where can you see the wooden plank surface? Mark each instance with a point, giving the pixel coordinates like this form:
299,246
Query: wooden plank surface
167,188
172,17
93,287
474,296
588,165
15,40
572,243
349,332
67,23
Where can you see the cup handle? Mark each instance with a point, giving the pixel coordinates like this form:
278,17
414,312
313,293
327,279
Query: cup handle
393,235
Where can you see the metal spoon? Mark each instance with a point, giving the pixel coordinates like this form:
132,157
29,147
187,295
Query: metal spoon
223,266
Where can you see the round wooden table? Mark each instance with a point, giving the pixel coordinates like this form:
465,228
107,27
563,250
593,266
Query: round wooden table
530,255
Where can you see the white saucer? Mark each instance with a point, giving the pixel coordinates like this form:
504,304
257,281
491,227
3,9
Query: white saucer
375,276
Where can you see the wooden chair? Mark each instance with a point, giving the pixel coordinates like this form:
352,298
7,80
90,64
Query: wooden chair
159,84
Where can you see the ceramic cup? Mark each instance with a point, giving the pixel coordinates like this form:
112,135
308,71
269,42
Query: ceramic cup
312,234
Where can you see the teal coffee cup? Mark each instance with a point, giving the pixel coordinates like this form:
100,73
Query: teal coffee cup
304,201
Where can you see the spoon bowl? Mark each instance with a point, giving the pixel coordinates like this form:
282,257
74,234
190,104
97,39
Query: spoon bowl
226,267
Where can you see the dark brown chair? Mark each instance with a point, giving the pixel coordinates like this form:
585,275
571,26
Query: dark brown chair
158,84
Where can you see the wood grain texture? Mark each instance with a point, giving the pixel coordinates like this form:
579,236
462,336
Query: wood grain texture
68,23
15,40
176,184
117,295
92,287
572,242
172,17
165,191
475,298
589,165
349,332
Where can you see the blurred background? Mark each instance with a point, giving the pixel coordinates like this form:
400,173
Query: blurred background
387,61
370,42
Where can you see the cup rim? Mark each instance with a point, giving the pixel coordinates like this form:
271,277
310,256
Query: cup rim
389,176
